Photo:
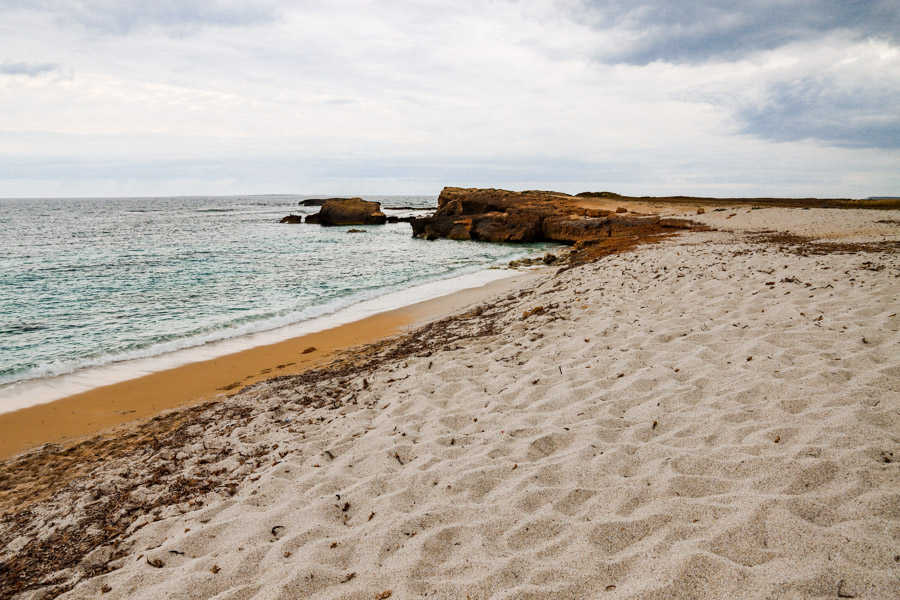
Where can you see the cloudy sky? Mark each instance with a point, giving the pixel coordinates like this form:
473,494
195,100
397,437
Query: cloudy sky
121,97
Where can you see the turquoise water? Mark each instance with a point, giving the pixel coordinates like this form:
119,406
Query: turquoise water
90,282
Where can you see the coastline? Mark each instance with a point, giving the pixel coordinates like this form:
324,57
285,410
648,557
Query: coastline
51,387
76,416
712,415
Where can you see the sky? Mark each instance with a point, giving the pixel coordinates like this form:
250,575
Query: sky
183,97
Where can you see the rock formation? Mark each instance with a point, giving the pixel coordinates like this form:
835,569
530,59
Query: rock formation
348,211
493,215
318,201
292,219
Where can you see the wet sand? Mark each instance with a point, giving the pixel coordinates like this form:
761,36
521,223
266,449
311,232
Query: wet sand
97,410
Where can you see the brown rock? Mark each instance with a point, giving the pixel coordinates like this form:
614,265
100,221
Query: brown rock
621,210
506,227
348,211
570,229
598,195
445,226
292,219
633,225
318,201
670,223
494,215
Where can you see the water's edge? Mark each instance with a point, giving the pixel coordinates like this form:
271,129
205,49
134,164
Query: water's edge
31,392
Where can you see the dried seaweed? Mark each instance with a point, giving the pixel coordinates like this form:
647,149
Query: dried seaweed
805,246
53,471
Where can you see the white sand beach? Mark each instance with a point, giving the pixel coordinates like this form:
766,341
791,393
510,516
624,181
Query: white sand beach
713,416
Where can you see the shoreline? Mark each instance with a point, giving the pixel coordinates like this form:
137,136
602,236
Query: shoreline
96,410
658,423
53,387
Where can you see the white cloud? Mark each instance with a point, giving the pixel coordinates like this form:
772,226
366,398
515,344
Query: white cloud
409,96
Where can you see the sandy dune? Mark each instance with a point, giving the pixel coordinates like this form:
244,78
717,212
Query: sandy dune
709,417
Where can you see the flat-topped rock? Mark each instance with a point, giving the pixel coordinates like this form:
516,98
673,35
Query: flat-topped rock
495,215
348,211
318,201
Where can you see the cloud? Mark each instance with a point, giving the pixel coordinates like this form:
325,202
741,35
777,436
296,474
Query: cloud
124,16
410,95
816,108
700,30
822,70
27,69
753,169
833,91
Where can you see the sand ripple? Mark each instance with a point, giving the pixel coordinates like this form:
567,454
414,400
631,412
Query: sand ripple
688,422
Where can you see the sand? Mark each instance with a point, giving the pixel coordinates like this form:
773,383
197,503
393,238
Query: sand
100,409
713,416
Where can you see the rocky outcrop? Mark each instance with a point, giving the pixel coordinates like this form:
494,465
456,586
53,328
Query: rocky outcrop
348,211
318,201
292,219
502,216
598,195
489,215
494,215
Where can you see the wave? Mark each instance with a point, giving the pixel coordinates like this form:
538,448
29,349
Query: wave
243,326
52,382
18,328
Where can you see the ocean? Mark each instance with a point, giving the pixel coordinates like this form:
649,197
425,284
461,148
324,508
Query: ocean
95,290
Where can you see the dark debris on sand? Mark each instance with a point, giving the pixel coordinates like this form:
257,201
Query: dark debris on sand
805,246
36,488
